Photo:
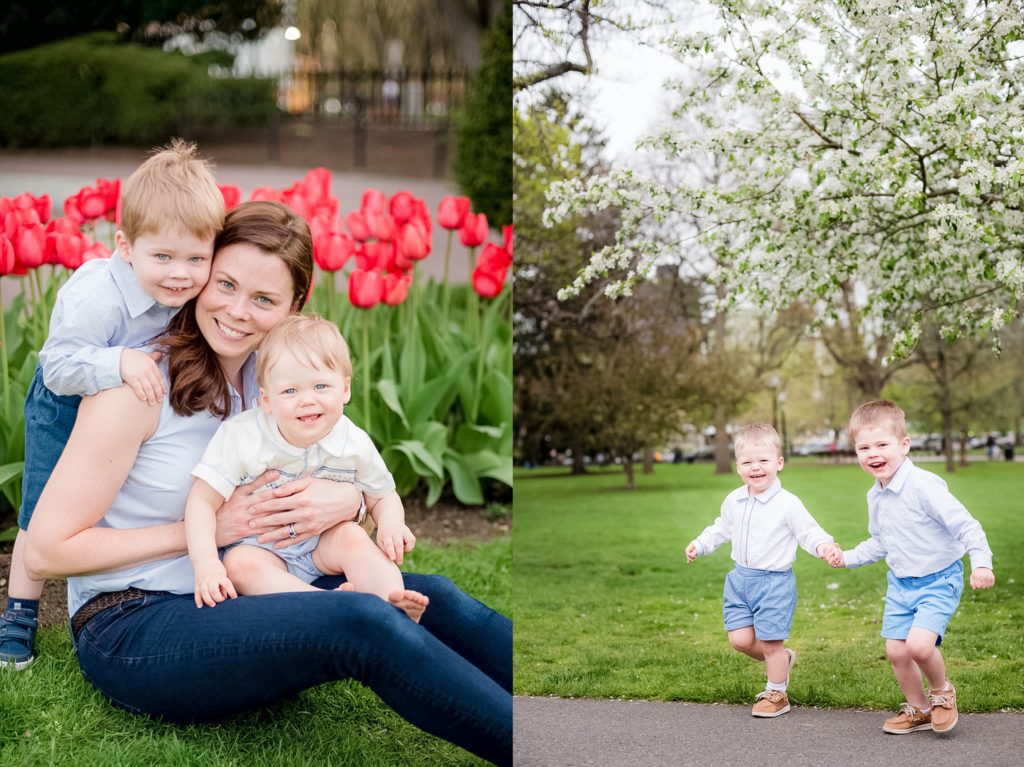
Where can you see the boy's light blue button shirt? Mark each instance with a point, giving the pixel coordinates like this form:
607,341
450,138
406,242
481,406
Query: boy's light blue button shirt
99,312
918,526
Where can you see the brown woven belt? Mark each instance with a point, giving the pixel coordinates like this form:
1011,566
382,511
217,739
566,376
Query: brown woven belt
105,601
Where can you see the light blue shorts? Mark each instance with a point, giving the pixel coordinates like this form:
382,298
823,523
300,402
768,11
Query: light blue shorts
764,599
925,602
298,558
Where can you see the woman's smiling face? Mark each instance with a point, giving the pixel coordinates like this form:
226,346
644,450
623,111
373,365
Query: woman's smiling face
249,292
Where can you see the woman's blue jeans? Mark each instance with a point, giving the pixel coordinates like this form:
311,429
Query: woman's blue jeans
450,675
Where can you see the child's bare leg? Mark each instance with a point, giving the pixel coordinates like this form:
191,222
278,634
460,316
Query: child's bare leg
907,672
346,548
257,571
747,642
776,660
925,653
20,586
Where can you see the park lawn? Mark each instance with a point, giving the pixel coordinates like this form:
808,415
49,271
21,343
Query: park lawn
606,606
50,715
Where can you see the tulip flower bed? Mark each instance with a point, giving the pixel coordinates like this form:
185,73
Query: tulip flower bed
433,361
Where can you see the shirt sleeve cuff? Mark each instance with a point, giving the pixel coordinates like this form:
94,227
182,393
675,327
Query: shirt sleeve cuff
217,481
108,368
981,559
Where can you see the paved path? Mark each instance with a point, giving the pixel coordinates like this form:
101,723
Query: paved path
554,732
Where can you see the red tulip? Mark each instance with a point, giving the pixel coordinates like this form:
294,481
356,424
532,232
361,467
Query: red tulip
402,207
374,255
332,251
365,288
413,241
380,224
507,233
452,211
96,250
494,258
488,283
267,193
356,223
26,201
55,252
111,191
421,214
7,259
473,230
30,245
396,288
318,185
374,200
232,195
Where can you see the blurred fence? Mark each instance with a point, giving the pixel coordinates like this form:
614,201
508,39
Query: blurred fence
362,119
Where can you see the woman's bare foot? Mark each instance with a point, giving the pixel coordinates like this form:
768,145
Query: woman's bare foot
412,603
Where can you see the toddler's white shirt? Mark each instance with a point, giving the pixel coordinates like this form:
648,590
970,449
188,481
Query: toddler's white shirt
764,529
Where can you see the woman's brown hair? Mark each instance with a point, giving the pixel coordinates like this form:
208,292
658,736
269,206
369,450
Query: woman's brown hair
197,381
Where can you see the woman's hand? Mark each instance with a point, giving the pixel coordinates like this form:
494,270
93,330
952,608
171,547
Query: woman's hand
236,518
308,506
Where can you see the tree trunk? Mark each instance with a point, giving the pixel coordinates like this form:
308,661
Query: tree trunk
963,448
648,461
947,432
627,464
578,467
723,464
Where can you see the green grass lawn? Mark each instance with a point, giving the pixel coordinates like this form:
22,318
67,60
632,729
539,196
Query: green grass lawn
50,715
606,606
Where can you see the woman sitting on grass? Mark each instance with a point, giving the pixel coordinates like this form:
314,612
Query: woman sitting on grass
110,519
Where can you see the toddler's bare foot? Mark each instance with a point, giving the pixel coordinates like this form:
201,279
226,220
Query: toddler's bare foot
412,603
346,586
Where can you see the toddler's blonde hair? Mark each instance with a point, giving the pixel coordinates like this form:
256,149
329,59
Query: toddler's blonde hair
311,339
757,434
879,413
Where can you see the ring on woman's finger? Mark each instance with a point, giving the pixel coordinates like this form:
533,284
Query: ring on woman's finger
291,531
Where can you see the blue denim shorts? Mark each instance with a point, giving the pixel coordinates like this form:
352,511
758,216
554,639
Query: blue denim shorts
926,602
49,419
764,599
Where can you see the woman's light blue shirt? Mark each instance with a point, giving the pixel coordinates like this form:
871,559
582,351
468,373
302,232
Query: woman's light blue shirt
154,493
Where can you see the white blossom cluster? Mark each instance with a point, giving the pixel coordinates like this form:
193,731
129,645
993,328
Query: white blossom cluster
875,143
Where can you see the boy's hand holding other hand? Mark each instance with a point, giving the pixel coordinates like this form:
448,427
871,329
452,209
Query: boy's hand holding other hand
832,553
982,578
691,553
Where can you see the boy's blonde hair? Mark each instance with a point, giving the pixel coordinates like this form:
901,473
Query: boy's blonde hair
173,189
757,434
311,339
880,412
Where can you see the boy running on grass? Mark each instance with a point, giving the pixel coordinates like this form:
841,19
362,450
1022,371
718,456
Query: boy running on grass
922,531
765,523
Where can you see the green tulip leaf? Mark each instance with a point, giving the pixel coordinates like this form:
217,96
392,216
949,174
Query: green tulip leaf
465,485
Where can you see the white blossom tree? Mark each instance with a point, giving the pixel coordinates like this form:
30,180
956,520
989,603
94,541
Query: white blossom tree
873,150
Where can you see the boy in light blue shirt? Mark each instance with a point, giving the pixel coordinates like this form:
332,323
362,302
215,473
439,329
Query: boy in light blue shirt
922,531
105,316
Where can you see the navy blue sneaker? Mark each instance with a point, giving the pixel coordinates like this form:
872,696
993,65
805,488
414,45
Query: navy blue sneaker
17,637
